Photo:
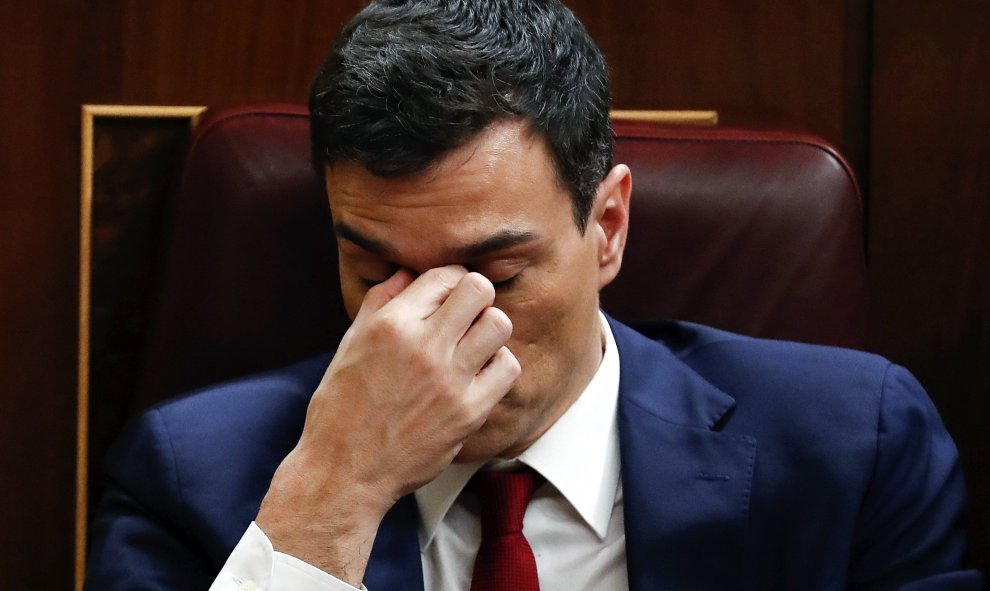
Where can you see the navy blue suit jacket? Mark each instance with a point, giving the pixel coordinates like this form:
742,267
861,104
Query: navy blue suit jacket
746,464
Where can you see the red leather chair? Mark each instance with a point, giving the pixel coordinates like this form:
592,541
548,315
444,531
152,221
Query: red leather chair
753,231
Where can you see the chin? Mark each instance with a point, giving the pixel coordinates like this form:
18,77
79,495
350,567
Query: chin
470,457
489,443
512,426
479,449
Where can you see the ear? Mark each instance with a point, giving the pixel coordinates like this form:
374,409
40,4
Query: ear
609,222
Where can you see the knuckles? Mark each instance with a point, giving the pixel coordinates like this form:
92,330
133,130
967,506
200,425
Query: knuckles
499,323
386,326
448,276
480,284
509,363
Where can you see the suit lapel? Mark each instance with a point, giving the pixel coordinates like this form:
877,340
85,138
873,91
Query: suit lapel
685,485
395,562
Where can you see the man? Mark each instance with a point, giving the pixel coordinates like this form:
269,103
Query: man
466,149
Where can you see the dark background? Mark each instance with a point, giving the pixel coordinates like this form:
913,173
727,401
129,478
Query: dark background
902,87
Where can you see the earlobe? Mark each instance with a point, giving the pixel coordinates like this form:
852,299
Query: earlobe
612,220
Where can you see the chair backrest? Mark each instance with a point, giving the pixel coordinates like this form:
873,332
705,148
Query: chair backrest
753,231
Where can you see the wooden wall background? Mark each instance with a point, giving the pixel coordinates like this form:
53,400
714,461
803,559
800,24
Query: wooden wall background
901,86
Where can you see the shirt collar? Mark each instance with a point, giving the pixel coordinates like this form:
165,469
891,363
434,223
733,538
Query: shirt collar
578,455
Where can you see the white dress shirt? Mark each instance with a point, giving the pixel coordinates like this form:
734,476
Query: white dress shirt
574,523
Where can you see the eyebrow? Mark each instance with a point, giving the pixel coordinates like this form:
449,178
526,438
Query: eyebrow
366,242
494,243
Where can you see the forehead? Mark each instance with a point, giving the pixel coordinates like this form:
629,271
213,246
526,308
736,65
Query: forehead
503,179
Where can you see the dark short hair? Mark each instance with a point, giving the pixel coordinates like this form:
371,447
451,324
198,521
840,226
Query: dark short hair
407,81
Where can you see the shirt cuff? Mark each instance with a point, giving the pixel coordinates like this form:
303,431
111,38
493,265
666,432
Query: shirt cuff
254,565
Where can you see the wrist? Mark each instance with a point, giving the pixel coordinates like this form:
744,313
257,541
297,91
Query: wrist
325,521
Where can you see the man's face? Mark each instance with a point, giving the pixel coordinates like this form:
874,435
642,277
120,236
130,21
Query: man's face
494,206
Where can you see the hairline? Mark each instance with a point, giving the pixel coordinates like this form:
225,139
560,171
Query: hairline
530,127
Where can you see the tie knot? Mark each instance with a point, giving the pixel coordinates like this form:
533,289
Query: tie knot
502,499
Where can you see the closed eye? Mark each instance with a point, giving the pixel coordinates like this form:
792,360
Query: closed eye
505,284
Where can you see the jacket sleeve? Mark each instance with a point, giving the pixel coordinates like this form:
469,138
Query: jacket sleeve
136,538
912,531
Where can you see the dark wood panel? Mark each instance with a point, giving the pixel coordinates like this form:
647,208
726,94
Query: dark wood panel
753,61
219,52
930,215
38,275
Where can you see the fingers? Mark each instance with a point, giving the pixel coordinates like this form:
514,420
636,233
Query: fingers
494,380
387,290
490,331
472,295
457,307
428,292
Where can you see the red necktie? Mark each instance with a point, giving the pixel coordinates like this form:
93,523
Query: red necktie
505,561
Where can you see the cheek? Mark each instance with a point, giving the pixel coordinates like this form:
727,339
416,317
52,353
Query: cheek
541,325
550,321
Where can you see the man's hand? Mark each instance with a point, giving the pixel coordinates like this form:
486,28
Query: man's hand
419,371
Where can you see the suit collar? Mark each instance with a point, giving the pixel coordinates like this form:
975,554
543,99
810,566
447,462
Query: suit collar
686,484
653,379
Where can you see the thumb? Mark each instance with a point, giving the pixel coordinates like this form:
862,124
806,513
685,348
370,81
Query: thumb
383,293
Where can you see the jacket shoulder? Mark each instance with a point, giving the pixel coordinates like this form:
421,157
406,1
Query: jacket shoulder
202,462
252,401
729,359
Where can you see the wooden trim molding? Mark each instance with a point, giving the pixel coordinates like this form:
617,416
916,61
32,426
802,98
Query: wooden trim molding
703,118
92,115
